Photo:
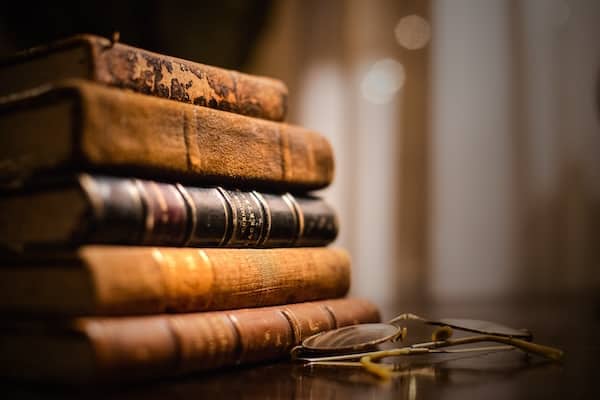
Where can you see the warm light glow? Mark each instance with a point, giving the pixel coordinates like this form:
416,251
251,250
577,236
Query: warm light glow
412,32
412,388
382,81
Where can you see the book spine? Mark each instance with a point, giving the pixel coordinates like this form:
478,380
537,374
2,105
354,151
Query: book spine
184,343
124,131
129,280
145,72
134,280
135,211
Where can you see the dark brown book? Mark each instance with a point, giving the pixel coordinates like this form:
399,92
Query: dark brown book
77,124
111,280
99,209
133,348
116,64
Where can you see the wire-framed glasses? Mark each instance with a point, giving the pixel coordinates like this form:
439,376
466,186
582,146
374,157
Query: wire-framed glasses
356,345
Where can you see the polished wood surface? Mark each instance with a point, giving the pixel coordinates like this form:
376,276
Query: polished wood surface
570,324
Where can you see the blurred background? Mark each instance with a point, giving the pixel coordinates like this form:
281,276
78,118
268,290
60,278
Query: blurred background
466,133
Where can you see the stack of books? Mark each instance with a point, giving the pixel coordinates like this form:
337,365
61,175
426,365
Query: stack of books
154,218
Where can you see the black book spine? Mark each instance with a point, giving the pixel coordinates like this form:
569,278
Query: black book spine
134,211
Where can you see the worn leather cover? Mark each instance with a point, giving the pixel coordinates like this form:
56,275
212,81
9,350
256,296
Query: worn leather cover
119,280
132,348
124,66
122,131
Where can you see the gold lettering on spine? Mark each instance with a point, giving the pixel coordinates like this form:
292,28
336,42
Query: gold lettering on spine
248,218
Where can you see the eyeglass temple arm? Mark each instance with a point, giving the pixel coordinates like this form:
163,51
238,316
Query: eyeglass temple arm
407,317
534,348
385,372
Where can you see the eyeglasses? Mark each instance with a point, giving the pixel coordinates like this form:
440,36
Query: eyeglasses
339,347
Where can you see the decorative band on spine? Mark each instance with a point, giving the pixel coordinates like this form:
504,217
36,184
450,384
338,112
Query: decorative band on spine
94,195
148,216
231,217
294,326
267,218
239,346
227,213
171,322
116,211
192,213
166,214
134,189
96,199
293,204
331,315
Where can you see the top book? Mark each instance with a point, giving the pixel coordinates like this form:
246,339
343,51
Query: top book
115,64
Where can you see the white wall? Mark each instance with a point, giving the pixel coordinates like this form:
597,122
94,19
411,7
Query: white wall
515,147
472,204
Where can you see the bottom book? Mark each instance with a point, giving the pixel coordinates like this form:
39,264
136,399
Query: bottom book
87,350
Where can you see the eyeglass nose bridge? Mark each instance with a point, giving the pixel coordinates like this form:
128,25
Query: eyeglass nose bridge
400,336
406,317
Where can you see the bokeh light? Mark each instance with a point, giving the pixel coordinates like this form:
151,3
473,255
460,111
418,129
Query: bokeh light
382,81
412,32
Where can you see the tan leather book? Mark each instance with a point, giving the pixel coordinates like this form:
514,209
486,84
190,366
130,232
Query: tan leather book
113,280
84,209
133,348
76,124
116,64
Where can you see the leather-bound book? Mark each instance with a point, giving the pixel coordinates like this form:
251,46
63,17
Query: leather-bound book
76,125
95,349
116,64
114,280
85,209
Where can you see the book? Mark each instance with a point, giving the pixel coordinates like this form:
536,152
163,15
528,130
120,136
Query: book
85,209
111,280
77,125
116,64
96,349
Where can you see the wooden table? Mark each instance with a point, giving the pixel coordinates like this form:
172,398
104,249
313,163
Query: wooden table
570,324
